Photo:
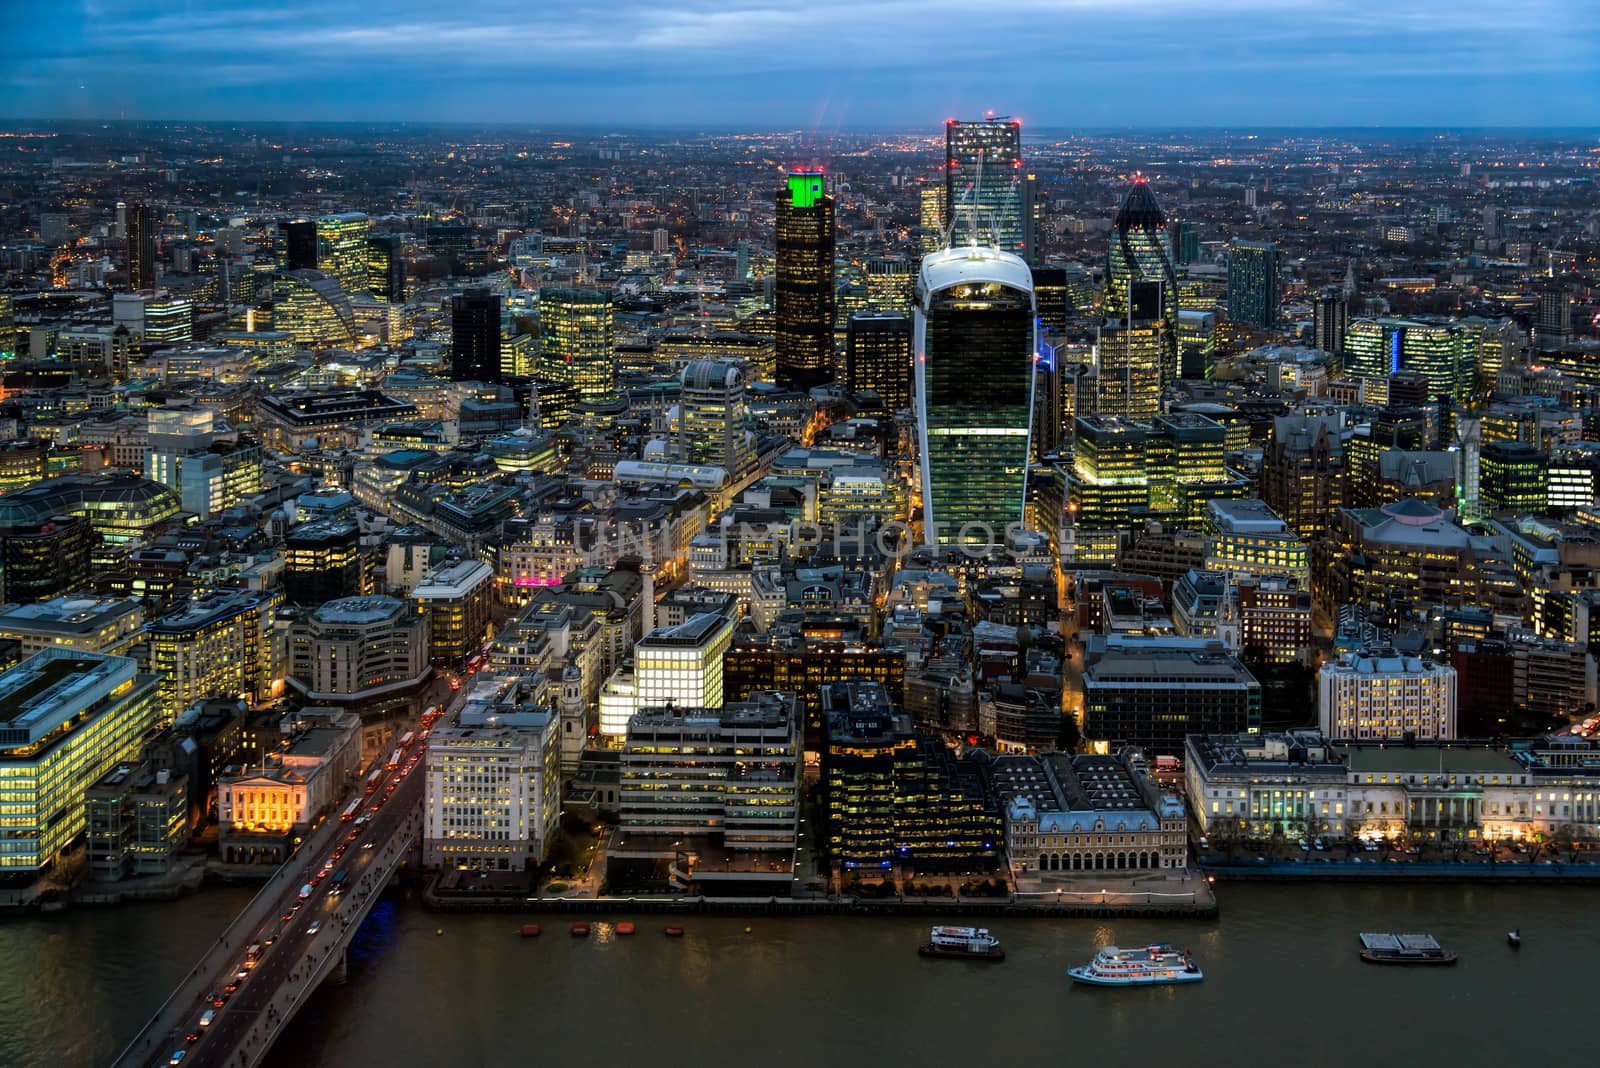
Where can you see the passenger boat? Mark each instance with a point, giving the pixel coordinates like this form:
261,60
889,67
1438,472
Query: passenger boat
625,928
580,930
674,931
1152,965
972,943
1378,947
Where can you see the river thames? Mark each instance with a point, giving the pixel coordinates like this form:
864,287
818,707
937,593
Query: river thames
1284,985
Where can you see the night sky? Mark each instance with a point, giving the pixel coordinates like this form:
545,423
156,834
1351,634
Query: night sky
820,65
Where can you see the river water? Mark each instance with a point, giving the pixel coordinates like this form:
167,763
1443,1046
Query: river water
1284,986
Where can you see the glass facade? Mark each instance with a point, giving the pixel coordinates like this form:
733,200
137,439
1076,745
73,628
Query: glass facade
342,249
575,340
804,284
878,357
1138,253
984,185
1253,287
1128,372
974,377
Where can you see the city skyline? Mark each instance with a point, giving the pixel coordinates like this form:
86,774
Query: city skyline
1229,63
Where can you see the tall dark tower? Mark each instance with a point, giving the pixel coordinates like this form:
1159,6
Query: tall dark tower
1138,253
804,284
475,336
141,230
294,246
1330,317
878,356
386,268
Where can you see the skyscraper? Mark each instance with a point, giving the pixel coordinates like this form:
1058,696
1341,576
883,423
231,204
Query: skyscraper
386,268
475,336
1330,315
294,245
804,293
975,346
1253,287
575,340
1185,242
710,422
985,192
878,356
931,217
1127,377
1138,253
141,230
342,249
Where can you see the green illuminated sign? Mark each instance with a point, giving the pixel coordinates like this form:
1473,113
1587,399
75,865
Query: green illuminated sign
805,189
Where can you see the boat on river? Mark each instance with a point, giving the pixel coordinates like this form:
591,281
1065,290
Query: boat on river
1378,947
971,943
1151,965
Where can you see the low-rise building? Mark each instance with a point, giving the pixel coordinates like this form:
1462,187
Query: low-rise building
1383,694
114,625
1088,813
456,598
67,719
710,797
493,780
264,807
137,820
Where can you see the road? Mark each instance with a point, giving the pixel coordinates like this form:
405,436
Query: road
272,989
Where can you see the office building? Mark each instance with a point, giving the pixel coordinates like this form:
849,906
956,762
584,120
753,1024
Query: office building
1513,476
358,648
210,466
1303,472
878,357
803,291
386,268
1109,488
891,284
1152,692
120,508
168,320
42,560
217,645
1088,812
711,421
575,341
456,597
1381,694
1127,376
1396,560
311,308
1138,253
493,781
112,626
985,188
975,347
1246,538
709,798
1266,620
899,796
679,665
141,220
475,336
931,217
67,718
136,819
342,249
322,561
1254,290
294,245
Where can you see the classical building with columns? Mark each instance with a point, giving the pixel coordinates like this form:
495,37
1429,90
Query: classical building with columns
1301,785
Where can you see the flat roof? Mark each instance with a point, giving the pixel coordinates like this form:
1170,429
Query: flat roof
1438,759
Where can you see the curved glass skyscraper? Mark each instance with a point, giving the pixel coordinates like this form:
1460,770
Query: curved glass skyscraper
975,349
1139,253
